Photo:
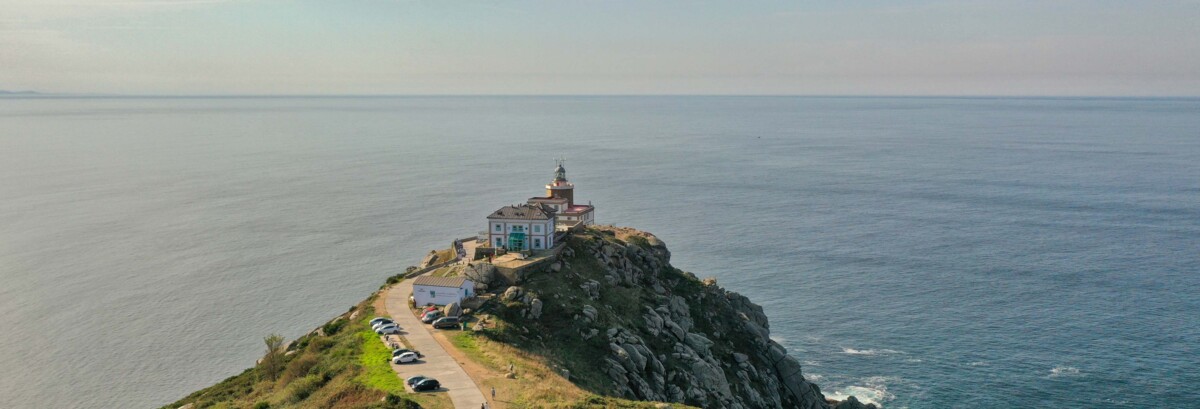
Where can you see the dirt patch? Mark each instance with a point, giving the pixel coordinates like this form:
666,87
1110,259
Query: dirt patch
484,377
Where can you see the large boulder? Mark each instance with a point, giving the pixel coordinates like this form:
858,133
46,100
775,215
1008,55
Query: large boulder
591,288
512,293
710,377
590,313
535,308
452,309
654,322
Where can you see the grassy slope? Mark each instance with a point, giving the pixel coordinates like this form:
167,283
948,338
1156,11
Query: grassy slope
346,369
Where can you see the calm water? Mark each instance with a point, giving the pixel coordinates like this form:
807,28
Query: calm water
923,253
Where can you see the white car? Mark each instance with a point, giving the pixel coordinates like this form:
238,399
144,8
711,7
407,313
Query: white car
379,325
388,330
405,358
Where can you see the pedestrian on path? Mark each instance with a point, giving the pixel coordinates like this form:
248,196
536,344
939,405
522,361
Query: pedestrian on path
493,393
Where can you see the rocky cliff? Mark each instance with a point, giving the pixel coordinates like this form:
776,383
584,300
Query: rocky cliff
619,320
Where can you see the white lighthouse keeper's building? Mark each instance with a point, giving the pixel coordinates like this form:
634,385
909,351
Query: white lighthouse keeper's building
522,227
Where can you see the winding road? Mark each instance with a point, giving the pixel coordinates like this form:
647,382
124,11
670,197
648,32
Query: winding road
436,363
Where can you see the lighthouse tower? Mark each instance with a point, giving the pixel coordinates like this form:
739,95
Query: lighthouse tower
560,188
560,197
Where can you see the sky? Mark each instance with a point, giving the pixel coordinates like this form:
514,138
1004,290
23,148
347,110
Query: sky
318,47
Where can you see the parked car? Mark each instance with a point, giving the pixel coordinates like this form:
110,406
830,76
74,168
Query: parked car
403,350
378,320
427,384
431,316
446,322
376,326
405,358
388,330
413,380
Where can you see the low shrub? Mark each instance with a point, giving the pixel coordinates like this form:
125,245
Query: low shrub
299,367
332,327
302,388
639,240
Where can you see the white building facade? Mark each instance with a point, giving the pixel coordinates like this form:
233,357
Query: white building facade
522,227
441,290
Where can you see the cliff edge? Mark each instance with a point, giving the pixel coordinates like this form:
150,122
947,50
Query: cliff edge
619,320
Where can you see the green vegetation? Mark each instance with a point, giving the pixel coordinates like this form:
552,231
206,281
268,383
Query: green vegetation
345,368
332,327
639,241
447,271
377,373
272,362
445,255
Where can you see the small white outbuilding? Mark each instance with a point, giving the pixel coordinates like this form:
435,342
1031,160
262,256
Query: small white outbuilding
441,290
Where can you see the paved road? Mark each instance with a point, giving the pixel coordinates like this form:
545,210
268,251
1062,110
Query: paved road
437,363
469,247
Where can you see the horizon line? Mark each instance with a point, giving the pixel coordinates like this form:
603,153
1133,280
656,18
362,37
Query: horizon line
68,95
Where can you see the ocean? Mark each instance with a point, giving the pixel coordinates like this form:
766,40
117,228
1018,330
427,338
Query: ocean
915,252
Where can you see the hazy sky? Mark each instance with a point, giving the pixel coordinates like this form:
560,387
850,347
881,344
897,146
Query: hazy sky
1045,47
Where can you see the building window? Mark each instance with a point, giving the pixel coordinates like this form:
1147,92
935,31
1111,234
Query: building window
537,228
499,242
498,228
537,243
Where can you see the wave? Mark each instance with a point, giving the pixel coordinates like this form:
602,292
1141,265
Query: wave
1064,371
873,390
869,352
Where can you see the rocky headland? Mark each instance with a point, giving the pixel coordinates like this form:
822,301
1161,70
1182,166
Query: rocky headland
607,323
621,321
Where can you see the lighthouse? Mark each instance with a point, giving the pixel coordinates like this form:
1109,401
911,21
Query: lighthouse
560,188
560,196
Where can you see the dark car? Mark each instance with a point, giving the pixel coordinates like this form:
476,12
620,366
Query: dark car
427,384
446,322
413,380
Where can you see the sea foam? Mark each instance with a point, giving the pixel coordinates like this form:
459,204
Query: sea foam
873,390
1064,371
869,352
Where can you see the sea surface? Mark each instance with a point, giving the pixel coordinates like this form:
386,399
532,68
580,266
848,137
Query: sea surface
916,252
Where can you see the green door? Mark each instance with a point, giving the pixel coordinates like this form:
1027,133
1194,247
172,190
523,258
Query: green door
516,241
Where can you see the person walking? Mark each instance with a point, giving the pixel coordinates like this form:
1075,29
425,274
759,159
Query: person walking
493,393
